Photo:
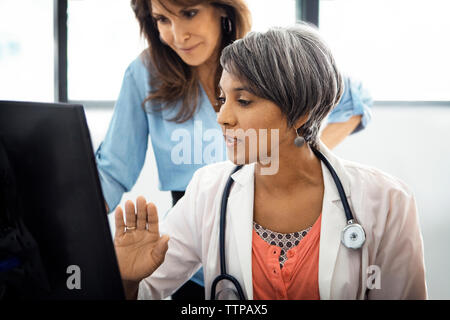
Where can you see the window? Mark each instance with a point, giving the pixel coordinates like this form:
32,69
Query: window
398,48
26,50
265,14
103,39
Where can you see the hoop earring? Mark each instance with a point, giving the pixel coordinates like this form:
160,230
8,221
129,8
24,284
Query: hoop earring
227,25
299,141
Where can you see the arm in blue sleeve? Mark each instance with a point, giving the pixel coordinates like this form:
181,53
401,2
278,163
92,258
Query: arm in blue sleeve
356,100
120,157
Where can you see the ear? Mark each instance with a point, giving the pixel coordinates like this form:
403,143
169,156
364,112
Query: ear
301,121
221,11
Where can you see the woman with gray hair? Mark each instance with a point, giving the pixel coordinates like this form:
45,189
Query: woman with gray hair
292,220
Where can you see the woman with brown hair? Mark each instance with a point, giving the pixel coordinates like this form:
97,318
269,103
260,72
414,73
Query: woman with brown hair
169,93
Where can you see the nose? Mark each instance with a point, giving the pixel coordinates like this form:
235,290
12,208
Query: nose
226,116
180,32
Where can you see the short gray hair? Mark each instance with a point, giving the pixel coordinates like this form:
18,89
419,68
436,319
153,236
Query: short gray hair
293,68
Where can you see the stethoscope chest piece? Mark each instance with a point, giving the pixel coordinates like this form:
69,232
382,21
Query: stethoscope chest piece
353,235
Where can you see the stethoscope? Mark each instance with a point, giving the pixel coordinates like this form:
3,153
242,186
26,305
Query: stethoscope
352,237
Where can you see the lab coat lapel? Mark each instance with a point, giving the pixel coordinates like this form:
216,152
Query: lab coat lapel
333,222
240,213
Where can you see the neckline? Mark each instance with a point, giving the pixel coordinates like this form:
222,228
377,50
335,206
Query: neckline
257,226
312,230
210,110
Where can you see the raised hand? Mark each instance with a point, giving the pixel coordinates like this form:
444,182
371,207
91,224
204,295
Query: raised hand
139,248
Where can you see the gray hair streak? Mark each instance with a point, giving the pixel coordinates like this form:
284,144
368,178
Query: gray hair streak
293,68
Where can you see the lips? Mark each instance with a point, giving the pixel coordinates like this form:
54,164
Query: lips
231,141
188,49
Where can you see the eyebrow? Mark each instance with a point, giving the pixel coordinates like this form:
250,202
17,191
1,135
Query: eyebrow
239,89
170,11
242,89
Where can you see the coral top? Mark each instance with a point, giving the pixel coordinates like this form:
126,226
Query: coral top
299,277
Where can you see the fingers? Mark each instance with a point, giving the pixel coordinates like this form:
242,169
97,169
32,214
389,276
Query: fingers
120,225
145,216
141,205
152,219
159,251
130,215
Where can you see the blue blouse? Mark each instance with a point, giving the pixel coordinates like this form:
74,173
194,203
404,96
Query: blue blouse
120,157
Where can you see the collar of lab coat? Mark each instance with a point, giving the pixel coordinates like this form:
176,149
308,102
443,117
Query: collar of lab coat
240,210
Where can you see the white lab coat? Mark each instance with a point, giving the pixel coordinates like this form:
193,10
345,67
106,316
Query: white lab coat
382,204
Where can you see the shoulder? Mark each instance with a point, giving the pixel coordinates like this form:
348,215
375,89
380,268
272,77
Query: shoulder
139,68
380,201
213,176
205,190
208,182
136,82
375,179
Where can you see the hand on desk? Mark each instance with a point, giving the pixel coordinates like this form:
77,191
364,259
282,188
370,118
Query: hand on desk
139,248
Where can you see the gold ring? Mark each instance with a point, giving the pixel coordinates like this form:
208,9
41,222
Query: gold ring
130,228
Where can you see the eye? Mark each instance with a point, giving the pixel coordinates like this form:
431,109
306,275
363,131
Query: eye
244,103
220,100
190,13
161,19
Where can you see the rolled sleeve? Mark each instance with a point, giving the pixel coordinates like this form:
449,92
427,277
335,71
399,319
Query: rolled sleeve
356,100
111,188
120,157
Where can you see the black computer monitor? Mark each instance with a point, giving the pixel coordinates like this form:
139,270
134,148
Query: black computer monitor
50,182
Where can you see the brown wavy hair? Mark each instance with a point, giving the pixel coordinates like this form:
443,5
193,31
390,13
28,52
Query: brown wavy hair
171,79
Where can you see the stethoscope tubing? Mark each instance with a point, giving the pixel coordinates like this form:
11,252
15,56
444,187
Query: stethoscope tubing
337,181
223,214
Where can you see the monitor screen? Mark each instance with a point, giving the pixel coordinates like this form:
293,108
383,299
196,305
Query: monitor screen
47,152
